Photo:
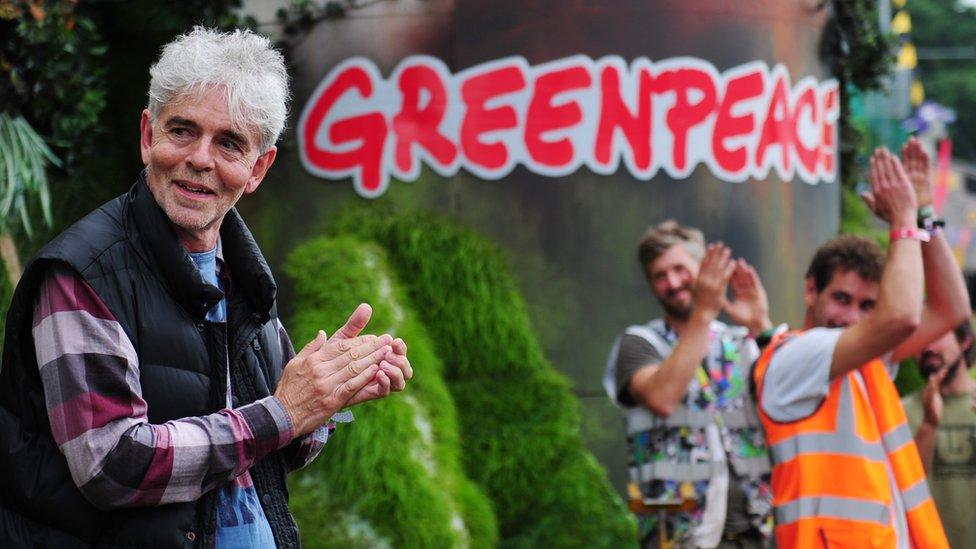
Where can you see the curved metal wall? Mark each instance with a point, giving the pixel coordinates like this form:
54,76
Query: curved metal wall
572,237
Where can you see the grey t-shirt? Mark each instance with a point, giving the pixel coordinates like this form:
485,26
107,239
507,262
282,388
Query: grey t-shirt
634,353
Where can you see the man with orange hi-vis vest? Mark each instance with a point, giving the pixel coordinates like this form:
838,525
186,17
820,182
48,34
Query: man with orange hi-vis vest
846,472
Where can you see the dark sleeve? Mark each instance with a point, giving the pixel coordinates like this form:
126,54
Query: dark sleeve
634,353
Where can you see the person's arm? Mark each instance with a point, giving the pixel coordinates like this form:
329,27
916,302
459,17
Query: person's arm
946,298
898,310
797,378
90,374
661,387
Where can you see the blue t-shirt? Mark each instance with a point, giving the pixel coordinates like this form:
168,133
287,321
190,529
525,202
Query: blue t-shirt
240,518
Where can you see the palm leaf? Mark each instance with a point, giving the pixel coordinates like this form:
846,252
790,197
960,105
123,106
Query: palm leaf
24,160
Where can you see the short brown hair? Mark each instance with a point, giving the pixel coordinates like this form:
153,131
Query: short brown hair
964,336
846,253
659,238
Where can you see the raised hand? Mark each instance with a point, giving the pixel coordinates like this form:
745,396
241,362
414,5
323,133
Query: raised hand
713,278
932,398
892,197
918,167
749,306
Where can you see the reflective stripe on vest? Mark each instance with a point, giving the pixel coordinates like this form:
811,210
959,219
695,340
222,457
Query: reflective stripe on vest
924,524
843,441
641,419
827,506
859,431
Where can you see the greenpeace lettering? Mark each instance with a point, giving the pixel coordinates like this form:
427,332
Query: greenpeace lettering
553,118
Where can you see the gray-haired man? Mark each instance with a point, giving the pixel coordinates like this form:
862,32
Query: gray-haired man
683,383
149,395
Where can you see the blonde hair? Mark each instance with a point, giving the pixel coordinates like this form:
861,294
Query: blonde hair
659,238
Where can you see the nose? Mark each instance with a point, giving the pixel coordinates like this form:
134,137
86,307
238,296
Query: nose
674,280
849,316
200,157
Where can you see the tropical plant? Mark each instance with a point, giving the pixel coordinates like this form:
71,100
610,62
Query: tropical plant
24,161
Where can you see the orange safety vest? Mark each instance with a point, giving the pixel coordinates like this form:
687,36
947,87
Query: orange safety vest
831,484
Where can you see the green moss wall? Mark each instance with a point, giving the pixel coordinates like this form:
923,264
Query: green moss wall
392,478
519,424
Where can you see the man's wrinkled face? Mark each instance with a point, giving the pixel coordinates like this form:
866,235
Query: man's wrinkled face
944,352
672,276
199,163
848,297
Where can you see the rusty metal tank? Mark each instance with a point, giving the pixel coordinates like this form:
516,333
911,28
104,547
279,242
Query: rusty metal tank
738,138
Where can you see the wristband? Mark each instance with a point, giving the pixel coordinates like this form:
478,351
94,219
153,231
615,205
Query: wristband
910,232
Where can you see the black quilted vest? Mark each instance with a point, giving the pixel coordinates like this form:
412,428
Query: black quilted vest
128,252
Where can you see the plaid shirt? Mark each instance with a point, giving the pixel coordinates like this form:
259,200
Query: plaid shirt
90,373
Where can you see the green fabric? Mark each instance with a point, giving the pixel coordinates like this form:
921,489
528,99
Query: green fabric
393,477
953,476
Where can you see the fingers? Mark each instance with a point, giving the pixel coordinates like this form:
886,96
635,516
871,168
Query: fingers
708,260
892,196
744,279
400,362
395,375
348,389
360,364
725,264
314,345
898,170
884,168
378,387
399,346
873,172
357,321
915,156
716,268
341,346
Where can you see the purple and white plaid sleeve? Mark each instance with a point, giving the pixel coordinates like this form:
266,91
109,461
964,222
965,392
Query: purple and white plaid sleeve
92,391
304,449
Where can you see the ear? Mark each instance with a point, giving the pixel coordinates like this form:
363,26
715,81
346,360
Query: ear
260,169
145,136
810,292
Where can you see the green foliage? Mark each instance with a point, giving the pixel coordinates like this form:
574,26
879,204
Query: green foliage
393,477
519,421
51,73
51,85
859,55
857,218
950,77
909,378
24,158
